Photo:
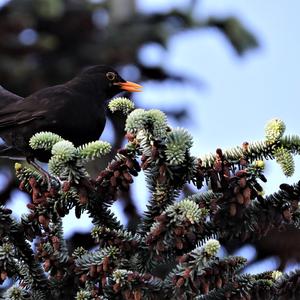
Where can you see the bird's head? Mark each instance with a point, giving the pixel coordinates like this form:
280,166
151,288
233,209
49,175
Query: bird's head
108,81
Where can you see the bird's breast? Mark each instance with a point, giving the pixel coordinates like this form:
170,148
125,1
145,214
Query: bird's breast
77,121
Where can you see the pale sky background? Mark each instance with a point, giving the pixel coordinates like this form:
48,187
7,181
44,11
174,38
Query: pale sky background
239,94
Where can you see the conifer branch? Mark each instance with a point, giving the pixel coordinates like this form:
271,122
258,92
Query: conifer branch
173,253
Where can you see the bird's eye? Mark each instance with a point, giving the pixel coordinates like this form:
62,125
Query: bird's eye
110,75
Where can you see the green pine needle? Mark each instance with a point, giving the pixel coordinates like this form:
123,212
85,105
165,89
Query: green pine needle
153,121
44,140
121,104
120,275
16,293
274,130
285,159
64,151
56,166
185,210
84,295
94,150
178,142
276,274
211,247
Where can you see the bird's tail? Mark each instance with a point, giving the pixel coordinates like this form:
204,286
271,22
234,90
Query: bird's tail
10,152
7,97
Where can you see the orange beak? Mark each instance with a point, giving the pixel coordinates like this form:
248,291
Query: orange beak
130,86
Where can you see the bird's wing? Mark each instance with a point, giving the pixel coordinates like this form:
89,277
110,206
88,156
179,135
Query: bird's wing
18,117
19,113
11,121
32,108
7,98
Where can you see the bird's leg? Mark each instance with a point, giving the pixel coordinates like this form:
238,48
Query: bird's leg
45,174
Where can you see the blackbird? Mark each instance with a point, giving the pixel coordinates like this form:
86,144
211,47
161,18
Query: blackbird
74,110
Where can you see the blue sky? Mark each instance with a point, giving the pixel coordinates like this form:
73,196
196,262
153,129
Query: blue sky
239,94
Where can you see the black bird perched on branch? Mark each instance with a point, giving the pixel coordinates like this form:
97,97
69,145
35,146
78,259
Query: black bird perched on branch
74,110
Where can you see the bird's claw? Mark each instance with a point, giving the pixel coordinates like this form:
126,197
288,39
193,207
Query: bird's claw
47,178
